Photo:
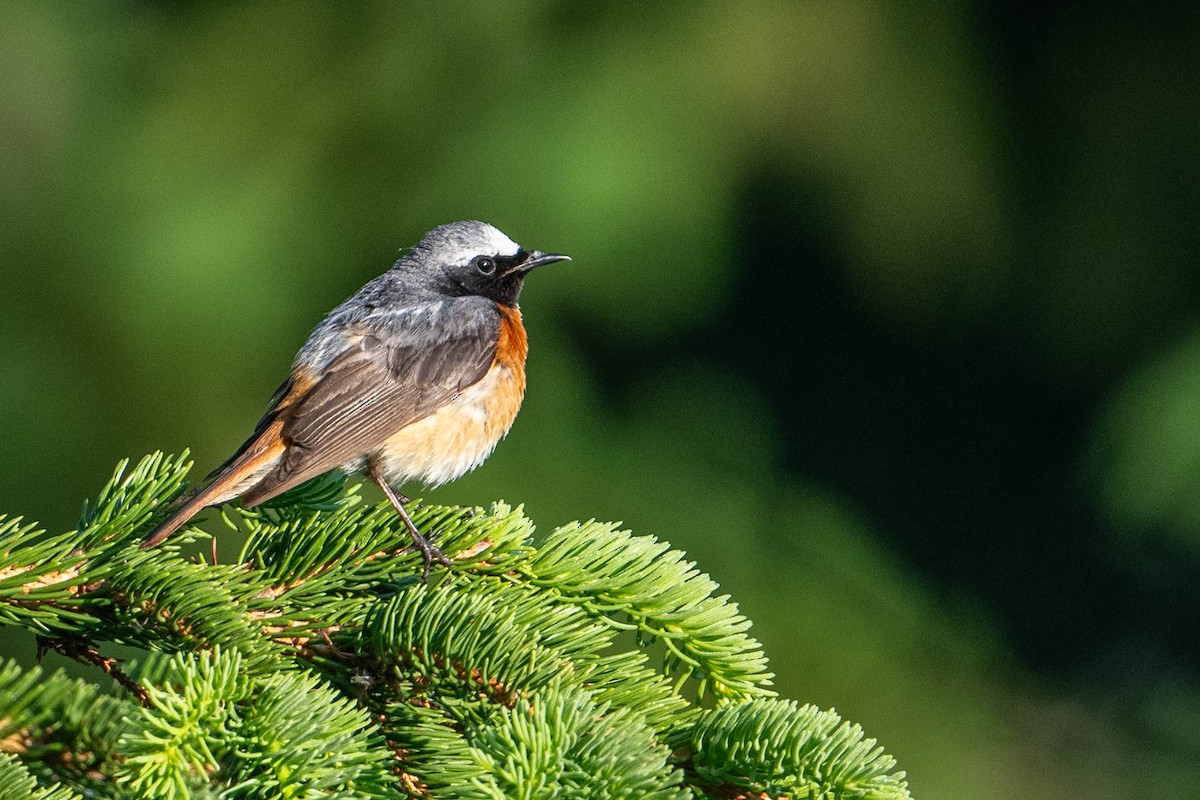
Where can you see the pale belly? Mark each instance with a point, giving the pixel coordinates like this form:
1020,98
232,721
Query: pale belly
457,438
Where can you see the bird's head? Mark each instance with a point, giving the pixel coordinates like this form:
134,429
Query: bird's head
474,258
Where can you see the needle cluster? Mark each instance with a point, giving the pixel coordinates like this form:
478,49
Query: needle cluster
588,662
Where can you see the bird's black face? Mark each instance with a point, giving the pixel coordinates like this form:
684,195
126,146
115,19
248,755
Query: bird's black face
472,258
499,277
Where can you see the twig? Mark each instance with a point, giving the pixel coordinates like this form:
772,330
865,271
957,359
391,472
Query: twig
86,653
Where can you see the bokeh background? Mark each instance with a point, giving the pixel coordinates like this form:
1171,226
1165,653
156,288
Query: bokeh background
887,312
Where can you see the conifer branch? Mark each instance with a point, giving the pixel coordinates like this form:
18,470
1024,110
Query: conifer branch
586,662
87,653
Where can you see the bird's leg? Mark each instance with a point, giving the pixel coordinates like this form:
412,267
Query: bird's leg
428,550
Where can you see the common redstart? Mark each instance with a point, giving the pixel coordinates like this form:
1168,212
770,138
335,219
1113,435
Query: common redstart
415,377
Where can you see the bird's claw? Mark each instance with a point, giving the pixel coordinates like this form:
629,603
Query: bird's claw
429,553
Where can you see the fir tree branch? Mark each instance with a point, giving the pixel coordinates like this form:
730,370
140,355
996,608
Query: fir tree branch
86,653
320,665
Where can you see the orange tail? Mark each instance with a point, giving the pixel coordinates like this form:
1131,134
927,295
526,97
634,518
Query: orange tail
235,478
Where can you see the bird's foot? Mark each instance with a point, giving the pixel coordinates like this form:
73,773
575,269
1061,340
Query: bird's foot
429,552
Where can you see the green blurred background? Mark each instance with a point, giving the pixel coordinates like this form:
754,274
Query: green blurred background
887,313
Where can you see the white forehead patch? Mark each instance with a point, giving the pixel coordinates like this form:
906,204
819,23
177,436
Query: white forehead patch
501,244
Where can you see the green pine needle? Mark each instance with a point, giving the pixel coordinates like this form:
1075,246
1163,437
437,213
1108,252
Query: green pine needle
780,748
319,664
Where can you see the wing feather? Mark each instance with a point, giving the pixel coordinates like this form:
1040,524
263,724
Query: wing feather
388,378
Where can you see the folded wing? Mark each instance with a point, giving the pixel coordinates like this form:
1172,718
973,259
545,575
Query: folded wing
392,374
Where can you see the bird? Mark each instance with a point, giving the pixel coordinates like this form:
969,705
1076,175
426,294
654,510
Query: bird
416,377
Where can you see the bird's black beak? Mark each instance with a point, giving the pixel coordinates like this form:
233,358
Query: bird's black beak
536,258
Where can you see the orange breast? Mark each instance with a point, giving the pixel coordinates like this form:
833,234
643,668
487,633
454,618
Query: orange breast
458,437
512,347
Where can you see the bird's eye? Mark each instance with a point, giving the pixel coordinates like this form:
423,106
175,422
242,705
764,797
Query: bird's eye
485,265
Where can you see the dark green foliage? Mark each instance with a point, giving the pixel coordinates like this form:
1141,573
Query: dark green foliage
319,665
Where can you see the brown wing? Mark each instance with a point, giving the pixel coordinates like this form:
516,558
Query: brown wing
386,380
